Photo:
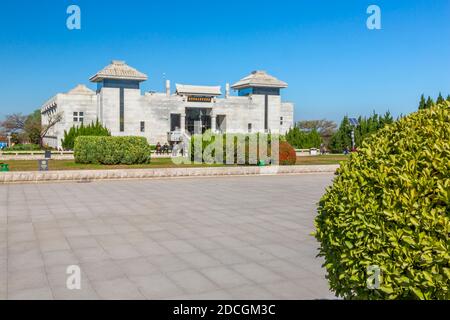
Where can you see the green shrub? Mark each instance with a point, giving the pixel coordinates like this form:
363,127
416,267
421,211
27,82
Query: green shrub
112,150
93,129
247,156
23,147
389,206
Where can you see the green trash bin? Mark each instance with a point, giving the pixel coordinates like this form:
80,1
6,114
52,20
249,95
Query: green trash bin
4,167
261,163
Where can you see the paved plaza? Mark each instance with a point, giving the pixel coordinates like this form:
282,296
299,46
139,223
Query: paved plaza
193,238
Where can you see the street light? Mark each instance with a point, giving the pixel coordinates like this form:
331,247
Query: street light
354,123
9,140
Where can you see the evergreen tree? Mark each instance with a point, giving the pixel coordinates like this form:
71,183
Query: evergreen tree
303,139
93,129
430,103
423,103
342,138
448,98
440,99
367,126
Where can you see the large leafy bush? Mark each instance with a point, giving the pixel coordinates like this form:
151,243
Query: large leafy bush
389,206
112,150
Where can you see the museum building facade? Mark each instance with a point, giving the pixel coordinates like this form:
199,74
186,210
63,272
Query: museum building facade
119,105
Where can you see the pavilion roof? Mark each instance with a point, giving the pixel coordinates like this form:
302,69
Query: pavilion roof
198,90
259,79
118,70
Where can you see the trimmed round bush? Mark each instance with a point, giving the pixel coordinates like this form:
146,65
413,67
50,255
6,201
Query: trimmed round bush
287,155
112,150
389,209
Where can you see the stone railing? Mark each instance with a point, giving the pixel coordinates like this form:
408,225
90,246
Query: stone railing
96,175
34,155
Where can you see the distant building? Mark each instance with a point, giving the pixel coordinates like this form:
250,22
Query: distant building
119,104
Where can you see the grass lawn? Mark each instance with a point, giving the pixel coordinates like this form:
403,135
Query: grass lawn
32,165
325,159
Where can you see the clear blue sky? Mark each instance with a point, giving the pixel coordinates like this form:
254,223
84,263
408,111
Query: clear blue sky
334,65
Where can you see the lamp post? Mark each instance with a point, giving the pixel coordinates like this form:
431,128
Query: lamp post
354,123
9,140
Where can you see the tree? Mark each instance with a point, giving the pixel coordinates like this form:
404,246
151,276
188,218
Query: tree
303,139
423,103
92,129
440,99
32,127
13,123
342,138
448,98
367,126
430,103
51,121
325,128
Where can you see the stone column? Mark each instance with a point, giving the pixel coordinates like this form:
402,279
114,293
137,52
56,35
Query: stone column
168,88
183,122
213,123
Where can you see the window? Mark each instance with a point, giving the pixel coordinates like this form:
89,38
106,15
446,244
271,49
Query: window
142,126
175,121
249,128
281,121
78,117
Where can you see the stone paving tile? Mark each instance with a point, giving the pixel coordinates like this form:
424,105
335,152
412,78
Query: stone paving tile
117,289
253,291
43,293
192,281
85,293
156,286
199,260
257,273
225,277
242,243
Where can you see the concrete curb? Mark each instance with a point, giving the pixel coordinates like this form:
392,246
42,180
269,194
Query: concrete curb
97,175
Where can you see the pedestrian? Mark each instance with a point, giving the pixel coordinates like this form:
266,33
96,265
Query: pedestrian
158,148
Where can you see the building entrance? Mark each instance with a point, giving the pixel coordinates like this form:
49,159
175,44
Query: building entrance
198,120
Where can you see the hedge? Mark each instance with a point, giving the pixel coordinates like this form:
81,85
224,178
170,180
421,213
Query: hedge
241,143
24,147
112,150
389,208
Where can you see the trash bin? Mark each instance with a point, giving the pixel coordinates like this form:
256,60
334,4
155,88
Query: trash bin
4,167
261,163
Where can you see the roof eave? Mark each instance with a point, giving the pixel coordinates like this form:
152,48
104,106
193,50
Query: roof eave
100,78
258,85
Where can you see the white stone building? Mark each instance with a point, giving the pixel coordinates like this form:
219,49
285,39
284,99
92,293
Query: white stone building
120,105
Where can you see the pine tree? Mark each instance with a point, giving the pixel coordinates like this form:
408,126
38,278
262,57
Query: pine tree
92,129
430,103
448,98
423,103
440,99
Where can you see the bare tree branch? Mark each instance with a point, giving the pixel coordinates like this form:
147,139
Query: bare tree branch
14,123
52,120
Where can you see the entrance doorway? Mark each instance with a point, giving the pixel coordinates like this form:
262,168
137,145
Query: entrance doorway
198,120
